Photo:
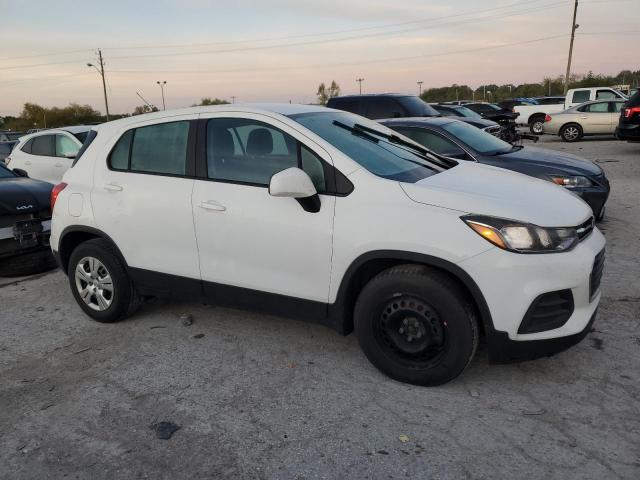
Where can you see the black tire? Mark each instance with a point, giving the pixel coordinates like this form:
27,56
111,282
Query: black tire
536,125
435,311
567,132
27,264
124,299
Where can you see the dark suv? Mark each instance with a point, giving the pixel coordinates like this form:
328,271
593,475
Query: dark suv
629,124
385,105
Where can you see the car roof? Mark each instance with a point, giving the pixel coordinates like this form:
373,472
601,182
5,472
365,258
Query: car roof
369,95
76,128
278,108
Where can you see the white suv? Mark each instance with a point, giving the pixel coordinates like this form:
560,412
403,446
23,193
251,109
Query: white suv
324,215
48,154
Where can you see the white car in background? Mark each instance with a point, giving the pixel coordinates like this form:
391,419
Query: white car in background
48,154
324,215
534,115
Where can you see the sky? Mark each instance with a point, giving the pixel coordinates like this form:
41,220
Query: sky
280,50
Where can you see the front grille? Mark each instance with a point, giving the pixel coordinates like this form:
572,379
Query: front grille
596,275
548,311
583,230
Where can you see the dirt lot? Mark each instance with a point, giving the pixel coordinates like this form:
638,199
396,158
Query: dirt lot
265,397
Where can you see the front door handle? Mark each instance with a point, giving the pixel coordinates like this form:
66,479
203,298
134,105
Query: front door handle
211,205
112,187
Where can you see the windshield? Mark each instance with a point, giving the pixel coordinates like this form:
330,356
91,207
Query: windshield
467,112
376,154
481,141
418,107
5,172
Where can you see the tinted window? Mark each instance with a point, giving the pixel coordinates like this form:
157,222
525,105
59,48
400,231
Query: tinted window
119,157
580,96
431,140
311,164
347,104
27,146
616,106
383,108
43,145
415,106
247,151
91,135
65,147
377,155
602,107
82,136
160,148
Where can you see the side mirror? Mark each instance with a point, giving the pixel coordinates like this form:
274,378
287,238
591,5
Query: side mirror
20,172
295,183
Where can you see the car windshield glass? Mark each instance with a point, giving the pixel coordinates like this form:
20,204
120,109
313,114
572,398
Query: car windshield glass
419,107
467,112
6,173
375,153
481,141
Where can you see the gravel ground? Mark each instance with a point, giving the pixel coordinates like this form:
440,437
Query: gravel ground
266,397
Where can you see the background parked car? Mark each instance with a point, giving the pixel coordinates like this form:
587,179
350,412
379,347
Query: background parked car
6,148
10,136
383,105
47,155
461,112
629,122
590,118
454,139
550,100
534,115
493,112
25,224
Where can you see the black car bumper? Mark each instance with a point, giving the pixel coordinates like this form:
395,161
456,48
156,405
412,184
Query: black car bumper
504,350
629,132
23,236
596,198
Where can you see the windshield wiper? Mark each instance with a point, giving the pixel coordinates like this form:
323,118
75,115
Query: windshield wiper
356,131
445,162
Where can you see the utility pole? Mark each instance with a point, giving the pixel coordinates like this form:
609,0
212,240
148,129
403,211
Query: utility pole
162,84
420,87
574,26
360,80
104,83
151,107
233,99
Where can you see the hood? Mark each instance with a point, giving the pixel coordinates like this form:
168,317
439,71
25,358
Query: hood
23,195
564,162
485,190
477,122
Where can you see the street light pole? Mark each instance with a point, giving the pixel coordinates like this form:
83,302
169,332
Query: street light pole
162,84
574,26
360,80
420,87
104,83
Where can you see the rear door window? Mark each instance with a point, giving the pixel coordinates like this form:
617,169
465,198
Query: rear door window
160,148
605,95
580,96
65,147
600,107
347,104
383,108
43,145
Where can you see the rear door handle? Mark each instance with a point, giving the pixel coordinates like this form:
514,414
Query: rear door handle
112,187
211,205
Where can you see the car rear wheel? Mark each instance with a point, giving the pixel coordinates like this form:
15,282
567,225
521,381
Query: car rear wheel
416,325
100,283
536,125
571,132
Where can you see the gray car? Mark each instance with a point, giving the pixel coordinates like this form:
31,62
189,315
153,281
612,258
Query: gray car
599,117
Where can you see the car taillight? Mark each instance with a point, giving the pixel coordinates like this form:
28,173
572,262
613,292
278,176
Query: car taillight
547,118
55,192
628,112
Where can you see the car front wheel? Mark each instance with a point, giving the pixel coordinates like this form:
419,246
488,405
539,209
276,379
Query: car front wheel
416,325
100,283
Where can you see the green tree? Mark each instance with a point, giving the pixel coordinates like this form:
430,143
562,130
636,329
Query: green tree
211,101
140,109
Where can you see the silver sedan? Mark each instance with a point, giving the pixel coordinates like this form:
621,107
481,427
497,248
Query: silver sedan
591,118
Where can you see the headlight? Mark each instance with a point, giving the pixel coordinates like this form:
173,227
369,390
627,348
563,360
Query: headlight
522,237
572,181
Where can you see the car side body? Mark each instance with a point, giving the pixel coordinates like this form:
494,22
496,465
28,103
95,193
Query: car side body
285,209
590,118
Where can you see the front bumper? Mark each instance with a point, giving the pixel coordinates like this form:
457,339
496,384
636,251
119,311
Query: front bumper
628,132
510,282
596,197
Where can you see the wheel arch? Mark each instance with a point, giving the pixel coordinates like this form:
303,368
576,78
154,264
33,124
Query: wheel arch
368,265
73,236
534,116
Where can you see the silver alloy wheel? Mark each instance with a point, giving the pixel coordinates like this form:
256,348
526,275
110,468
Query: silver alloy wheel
571,133
94,283
537,127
